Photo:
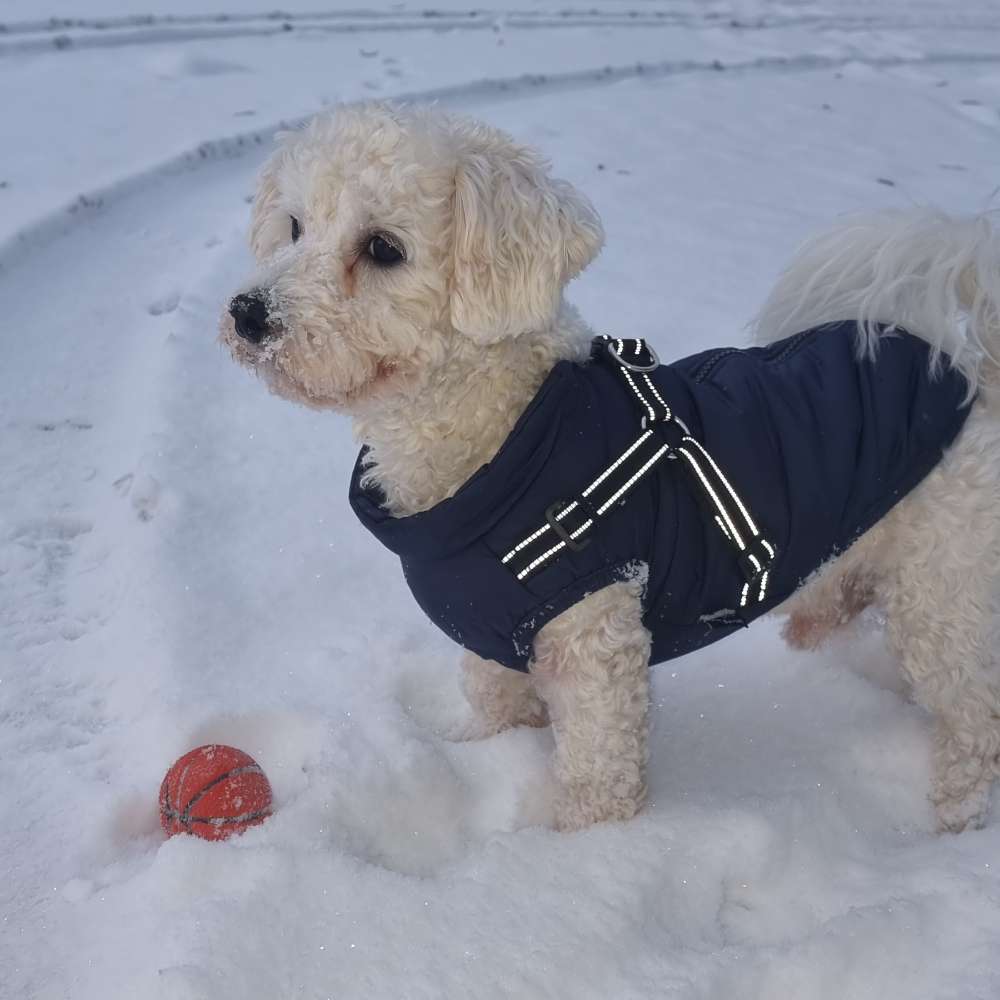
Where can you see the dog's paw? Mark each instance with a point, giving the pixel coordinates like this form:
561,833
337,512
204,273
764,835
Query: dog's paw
806,632
468,730
579,806
478,727
967,811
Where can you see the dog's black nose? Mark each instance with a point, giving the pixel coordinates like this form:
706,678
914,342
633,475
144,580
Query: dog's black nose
250,313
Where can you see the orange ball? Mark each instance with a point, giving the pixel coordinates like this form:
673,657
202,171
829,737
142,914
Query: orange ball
213,792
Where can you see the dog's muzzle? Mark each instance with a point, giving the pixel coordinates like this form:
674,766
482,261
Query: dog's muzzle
250,314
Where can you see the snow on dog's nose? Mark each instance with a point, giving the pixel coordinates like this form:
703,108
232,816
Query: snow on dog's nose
250,314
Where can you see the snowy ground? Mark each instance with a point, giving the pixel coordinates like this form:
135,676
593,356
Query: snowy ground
178,563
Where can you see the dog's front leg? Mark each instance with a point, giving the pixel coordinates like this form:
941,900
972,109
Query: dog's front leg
500,698
591,667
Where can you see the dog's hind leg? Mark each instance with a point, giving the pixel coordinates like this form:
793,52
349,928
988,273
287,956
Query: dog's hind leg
829,601
500,698
591,667
940,604
942,640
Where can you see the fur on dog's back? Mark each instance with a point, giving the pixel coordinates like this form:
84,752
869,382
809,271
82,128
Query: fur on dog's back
934,275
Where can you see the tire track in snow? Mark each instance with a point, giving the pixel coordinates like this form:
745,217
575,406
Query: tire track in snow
62,34
174,33
125,21
459,96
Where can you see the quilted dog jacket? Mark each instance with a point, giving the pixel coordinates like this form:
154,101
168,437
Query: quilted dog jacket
614,472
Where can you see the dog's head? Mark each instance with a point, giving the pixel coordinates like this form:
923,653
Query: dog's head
382,234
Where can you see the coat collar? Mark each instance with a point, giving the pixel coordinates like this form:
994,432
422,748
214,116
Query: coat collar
481,502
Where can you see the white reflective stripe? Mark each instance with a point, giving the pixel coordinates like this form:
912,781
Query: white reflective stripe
722,527
517,548
614,465
745,592
732,492
708,487
537,534
746,514
555,548
645,468
538,562
635,389
566,510
660,399
623,457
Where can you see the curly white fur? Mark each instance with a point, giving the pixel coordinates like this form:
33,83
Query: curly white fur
436,358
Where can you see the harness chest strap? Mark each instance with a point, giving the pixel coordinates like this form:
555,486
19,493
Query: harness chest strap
662,436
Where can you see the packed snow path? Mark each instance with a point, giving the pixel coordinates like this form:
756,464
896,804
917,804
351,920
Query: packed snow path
178,563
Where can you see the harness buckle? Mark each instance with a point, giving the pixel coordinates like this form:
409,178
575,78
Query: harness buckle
654,360
563,535
760,563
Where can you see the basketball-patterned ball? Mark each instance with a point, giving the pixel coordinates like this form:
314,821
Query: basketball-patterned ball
213,792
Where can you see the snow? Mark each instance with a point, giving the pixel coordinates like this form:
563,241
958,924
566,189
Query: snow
178,564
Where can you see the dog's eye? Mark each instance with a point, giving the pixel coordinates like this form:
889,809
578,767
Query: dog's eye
296,229
384,250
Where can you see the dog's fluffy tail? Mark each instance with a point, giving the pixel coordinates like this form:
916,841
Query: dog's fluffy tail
919,269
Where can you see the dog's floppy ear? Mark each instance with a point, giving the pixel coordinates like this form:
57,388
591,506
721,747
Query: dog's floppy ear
519,236
268,224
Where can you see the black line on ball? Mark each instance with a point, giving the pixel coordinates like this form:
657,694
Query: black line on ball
185,816
230,820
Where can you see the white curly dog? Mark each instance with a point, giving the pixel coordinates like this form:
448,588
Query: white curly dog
411,274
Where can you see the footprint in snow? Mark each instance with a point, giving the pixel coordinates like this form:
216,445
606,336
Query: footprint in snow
37,552
64,425
145,496
50,530
977,111
165,304
143,491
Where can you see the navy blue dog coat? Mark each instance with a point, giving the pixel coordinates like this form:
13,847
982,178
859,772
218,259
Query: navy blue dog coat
722,480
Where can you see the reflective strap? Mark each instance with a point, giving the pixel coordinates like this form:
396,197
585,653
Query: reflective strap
578,516
664,436
755,553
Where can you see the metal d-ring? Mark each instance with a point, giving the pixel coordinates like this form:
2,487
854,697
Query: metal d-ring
631,366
